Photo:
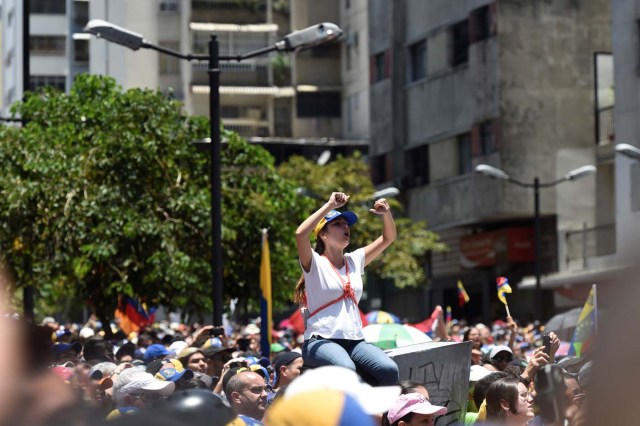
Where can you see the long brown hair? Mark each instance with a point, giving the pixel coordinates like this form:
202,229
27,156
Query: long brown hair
299,294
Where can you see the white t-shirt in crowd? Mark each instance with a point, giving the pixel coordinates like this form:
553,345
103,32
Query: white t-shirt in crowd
340,320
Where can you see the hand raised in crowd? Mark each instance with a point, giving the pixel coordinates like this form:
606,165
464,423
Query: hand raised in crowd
338,199
538,360
381,206
555,345
511,325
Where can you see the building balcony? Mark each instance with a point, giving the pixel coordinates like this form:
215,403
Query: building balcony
247,127
249,73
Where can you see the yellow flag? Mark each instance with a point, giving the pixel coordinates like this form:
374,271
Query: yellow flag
265,299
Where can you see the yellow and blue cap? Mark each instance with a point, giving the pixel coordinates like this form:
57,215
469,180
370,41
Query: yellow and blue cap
349,216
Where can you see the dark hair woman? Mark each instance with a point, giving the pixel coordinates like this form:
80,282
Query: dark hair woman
332,285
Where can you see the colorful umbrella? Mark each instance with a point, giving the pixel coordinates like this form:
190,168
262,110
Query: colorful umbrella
382,317
388,336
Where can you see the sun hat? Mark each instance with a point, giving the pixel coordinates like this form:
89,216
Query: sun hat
413,403
374,400
320,407
349,216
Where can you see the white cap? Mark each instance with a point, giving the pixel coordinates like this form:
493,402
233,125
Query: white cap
178,346
142,383
500,348
373,400
87,333
478,372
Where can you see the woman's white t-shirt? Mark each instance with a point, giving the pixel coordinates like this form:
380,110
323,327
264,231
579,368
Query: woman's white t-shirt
340,320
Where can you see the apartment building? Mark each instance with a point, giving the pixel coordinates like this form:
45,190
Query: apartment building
55,57
291,103
504,83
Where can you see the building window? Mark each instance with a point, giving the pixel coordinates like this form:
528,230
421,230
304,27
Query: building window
380,169
57,7
480,23
169,65
487,139
460,43
416,162
57,81
318,104
379,66
169,6
464,154
418,60
81,50
47,45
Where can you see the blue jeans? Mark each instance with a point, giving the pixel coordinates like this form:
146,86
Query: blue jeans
356,355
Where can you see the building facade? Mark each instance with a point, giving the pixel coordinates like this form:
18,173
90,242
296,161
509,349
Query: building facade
457,84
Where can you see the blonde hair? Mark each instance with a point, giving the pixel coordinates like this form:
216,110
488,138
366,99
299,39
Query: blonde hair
300,292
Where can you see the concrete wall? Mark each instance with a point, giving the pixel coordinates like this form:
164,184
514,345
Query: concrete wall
627,107
546,86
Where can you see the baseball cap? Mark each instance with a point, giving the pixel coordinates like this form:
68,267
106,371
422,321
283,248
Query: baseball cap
59,348
252,329
173,375
374,400
499,348
413,403
141,383
156,351
350,217
320,407
285,358
210,351
102,369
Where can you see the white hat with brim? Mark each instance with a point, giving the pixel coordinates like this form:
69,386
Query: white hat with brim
143,384
500,348
478,372
373,400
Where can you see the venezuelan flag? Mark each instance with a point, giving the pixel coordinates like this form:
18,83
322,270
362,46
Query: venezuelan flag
449,315
503,287
133,315
584,336
265,297
463,297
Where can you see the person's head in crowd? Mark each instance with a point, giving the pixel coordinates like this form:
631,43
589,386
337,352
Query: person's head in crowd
216,358
102,370
321,407
414,409
288,366
156,351
411,386
172,370
195,407
193,359
514,369
50,322
178,346
483,384
247,393
139,389
374,400
473,335
98,350
476,373
66,352
485,334
509,402
125,353
501,356
584,376
86,333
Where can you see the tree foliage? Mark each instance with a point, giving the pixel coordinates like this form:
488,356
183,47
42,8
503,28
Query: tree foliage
403,261
103,194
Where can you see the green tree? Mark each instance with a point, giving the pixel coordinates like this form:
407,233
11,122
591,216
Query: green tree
103,194
403,261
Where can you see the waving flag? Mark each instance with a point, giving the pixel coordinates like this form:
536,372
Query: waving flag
265,298
463,297
449,314
503,287
133,315
585,334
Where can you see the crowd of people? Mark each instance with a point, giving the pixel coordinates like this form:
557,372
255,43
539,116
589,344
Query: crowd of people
178,374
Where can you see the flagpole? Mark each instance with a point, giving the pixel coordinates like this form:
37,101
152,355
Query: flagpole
595,306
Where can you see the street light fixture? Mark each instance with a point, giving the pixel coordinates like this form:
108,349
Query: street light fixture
628,150
495,173
311,36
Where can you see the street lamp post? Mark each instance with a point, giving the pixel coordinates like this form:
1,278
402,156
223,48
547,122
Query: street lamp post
495,173
311,36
